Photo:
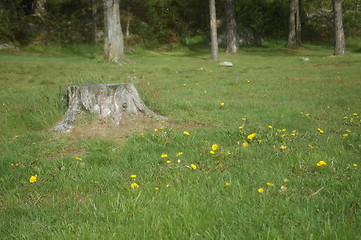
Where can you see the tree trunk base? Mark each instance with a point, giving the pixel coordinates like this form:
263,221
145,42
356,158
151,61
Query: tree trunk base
110,101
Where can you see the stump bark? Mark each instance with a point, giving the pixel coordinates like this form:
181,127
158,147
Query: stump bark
110,101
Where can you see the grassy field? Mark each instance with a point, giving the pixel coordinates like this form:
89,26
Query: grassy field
267,149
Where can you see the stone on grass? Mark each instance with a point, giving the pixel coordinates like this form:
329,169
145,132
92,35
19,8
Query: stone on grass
226,64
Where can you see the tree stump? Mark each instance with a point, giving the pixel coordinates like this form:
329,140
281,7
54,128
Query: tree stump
110,101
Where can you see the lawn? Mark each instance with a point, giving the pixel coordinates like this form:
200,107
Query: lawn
267,149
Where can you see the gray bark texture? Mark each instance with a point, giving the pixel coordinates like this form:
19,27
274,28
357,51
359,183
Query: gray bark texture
294,31
110,101
113,35
232,43
340,45
213,25
39,7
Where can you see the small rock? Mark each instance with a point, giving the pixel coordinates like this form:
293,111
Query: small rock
226,64
6,46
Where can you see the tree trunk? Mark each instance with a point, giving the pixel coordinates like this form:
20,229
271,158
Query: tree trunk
232,44
128,23
106,100
340,45
213,23
39,8
95,20
294,31
113,36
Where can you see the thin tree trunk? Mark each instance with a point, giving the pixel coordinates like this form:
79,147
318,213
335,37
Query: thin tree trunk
113,36
95,19
294,31
340,45
39,8
232,45
213,23
128,23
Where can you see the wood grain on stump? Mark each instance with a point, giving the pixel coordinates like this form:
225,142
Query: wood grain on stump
109,101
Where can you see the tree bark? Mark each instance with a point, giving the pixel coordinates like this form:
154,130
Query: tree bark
294,30
95,20
39,8
128,23
111,101
213,25
113,35
232,43
340,45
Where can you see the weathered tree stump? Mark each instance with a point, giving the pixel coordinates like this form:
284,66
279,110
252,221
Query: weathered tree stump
110,101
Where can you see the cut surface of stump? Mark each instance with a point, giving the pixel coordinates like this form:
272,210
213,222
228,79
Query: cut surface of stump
109,101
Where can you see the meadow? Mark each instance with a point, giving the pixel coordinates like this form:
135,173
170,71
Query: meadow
266,149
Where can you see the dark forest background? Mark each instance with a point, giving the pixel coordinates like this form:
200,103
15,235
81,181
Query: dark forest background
165,21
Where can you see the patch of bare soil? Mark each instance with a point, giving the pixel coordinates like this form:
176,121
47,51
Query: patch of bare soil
104,129
129,125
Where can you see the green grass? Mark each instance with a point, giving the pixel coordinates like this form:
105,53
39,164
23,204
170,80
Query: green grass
269,86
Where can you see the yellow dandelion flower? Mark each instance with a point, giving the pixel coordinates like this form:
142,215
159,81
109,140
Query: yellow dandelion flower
270,127
163,155
310,146
227,184
240,127
133,176
211,152
260,190
79,159
17,164
286,180
294,131
293,134
193,166
33,179
270,184
167,185
134,185
222,104
321,163
355,114
307,114
283,188
168,162
355,164
243,119
282,147
347,130
320,130
284,130
260,141
156,130
156,188
345,135
283,135
345,117
180,153
186,133
245,144
214,147
251,136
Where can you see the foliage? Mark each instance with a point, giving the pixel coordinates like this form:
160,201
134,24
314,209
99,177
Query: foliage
167,21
